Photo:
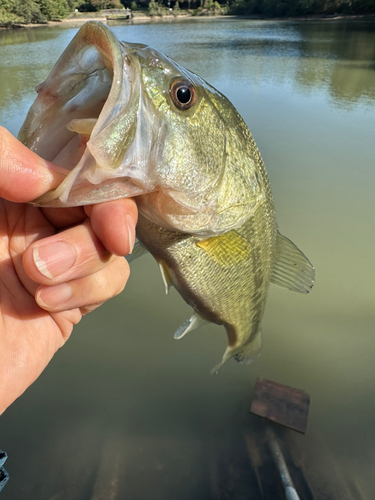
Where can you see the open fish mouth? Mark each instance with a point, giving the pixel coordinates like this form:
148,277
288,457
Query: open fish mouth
91,118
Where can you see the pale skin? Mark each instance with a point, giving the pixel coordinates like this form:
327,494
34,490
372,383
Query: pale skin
56,265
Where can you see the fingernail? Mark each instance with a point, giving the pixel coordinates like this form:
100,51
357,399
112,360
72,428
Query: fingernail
131,231
55,259
56,168
53,296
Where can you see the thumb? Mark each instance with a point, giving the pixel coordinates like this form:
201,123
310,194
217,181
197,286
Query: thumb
23,174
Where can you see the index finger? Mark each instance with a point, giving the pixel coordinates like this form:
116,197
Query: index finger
23,174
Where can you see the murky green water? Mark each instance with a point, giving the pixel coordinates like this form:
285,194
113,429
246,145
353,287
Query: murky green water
123,411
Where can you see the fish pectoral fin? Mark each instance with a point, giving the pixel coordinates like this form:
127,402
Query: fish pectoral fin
137,252
190,324
228,249
292,269
245,354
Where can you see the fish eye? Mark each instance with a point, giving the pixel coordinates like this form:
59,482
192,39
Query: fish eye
183,94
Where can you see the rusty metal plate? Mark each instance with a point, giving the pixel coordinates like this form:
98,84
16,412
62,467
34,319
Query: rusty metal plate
281,404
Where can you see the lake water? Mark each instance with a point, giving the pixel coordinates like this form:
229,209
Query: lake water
123,410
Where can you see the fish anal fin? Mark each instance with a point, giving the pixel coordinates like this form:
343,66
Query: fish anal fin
245,354
228,249
292,269
190,324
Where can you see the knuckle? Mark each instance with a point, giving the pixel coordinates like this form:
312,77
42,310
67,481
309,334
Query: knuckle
112,280
122,274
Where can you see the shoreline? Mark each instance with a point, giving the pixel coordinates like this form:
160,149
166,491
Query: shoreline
145,19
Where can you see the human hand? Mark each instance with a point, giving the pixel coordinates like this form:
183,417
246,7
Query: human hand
56,264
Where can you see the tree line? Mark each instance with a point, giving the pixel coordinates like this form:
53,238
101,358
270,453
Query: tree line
34,11
40,11
294,8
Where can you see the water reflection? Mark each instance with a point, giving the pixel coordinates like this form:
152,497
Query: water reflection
351,76
338,58
21,36
26,57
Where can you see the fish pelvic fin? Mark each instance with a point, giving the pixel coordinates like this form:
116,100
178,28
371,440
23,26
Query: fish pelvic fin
190,324
165,275
292,270
245,354
137,252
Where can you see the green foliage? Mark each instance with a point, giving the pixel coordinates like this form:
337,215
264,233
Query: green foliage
40,11
6,5
213,7
95,5
73,4
154,8
53,10
244,7
282,8
86,6
34,11
8,18
29,10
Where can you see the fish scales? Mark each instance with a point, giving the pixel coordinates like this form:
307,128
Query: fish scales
222,289
231,295
124,120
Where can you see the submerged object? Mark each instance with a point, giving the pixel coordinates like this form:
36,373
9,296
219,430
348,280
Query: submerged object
126,120
4,476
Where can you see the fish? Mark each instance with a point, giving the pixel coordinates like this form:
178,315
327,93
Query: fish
128,121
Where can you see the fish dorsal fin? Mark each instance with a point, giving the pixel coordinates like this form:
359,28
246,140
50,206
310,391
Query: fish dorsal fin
190,324
138,251
292,269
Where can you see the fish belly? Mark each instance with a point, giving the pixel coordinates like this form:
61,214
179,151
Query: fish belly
224,278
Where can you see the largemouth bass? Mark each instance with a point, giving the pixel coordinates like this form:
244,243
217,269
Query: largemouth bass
126,120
